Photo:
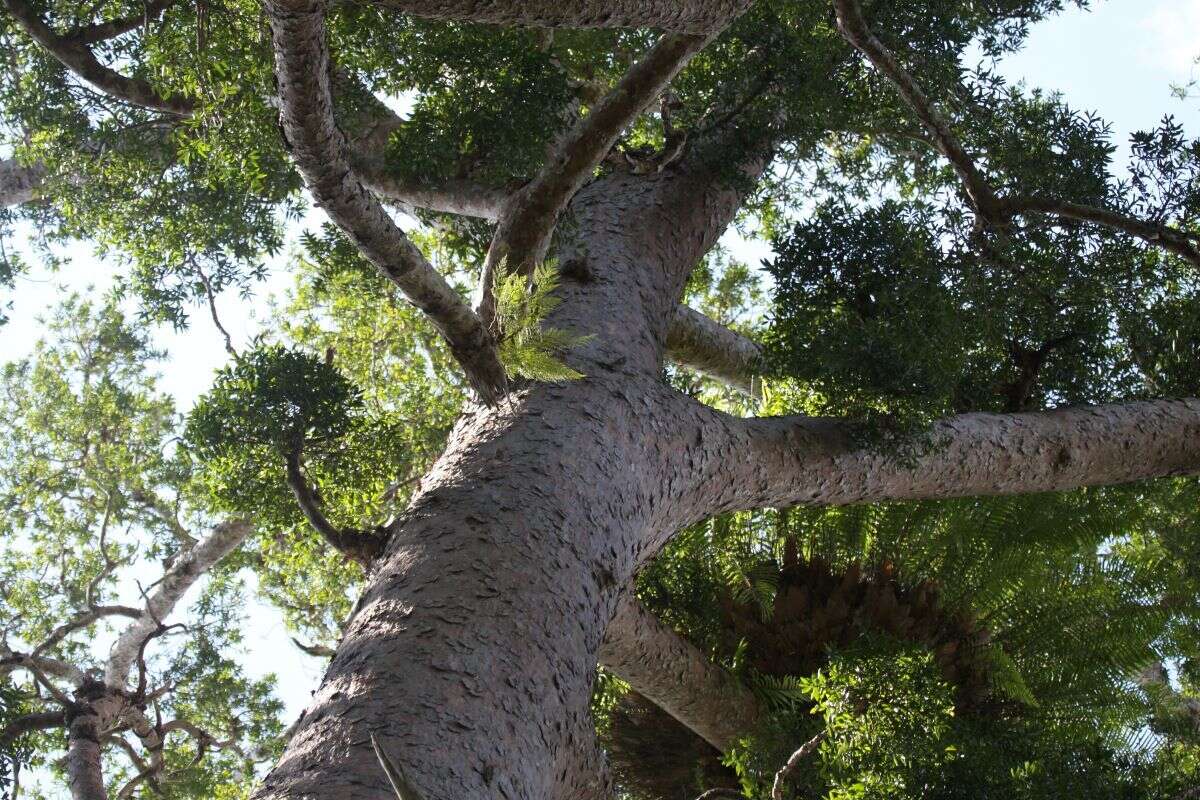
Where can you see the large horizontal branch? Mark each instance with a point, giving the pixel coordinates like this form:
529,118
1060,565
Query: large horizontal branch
186,570
45,665
28,723
682,16
988,204
788,461
673,674
78,57
464,198
321,152
696,341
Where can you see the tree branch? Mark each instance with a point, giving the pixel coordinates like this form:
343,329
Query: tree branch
992,208
28,723
673,674
186,570
793,763
523,233
854,29
322,155
695,341
355,545
464,198
78,58
681,16
103,31
788,461
45,665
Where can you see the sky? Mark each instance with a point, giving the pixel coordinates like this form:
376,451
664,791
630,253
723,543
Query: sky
1119,59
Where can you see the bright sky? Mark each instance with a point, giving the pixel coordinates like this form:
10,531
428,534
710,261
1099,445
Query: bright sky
1119,59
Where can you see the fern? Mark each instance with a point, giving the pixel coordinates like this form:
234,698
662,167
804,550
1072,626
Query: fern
527,349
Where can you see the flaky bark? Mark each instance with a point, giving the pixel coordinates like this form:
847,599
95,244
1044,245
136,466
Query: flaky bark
790,461
683,16
19,183
321,152
673,674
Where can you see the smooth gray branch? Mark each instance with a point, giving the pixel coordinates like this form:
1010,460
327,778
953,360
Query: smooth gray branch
696,341
673,674
788,461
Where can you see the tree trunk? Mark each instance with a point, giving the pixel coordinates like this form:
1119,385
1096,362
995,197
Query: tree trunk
472,652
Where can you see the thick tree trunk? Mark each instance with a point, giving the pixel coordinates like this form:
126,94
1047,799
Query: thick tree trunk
472,652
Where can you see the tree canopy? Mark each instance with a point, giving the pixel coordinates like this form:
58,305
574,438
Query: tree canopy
952,256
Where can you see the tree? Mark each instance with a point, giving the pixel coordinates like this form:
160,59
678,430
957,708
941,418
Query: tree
971,275
131,692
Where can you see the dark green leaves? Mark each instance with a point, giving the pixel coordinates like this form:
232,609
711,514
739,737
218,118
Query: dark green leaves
275,397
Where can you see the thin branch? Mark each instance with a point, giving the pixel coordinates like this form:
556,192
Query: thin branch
854,28
314,650
78,58
358,546
789,769
83,620
682,16
210,295
672,673
111,29
695,341
322,154
1182,243
523,234
992,208
186,570
722,794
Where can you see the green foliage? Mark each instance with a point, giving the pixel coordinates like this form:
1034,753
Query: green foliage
887,714
273,397
98,502
527,347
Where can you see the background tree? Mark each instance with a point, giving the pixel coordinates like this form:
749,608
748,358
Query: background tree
958,268
108,682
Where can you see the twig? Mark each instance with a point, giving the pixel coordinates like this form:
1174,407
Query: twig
793,763
400,785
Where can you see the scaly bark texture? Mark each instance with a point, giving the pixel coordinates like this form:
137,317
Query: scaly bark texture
472,652
790,461
470,656
683,16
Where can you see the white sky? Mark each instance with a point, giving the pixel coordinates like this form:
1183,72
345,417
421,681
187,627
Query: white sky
1119,59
